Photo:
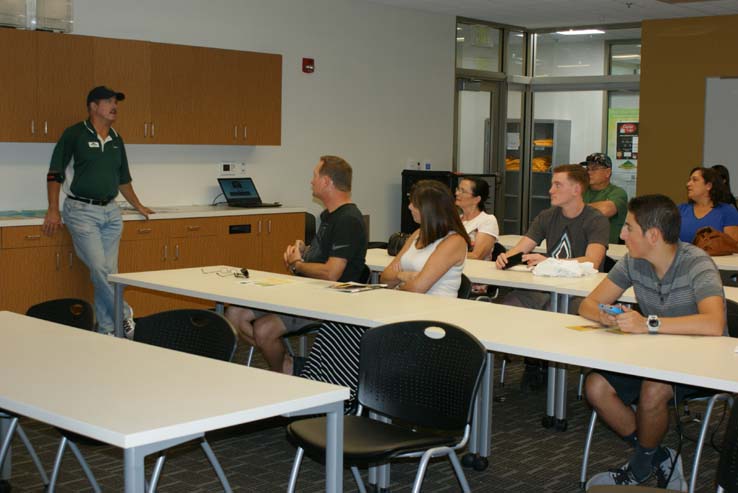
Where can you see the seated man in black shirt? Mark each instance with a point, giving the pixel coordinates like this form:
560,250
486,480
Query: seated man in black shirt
336,254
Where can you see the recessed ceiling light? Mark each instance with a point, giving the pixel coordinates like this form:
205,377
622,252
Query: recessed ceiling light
579,32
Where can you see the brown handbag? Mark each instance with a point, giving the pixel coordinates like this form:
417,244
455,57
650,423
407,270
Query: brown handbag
714,242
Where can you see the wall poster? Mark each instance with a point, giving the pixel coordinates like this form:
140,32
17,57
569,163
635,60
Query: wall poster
622,147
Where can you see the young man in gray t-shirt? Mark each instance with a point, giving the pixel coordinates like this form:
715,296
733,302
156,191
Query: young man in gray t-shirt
679,291
571,230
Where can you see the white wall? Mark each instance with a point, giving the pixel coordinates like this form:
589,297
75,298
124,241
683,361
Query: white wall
382,92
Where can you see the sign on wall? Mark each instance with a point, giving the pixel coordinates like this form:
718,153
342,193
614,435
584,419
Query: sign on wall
622,147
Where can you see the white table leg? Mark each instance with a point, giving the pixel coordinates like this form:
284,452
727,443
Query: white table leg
334,450
118,309
133,473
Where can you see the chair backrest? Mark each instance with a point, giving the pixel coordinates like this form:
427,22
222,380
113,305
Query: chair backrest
607,264
366,275
732,315
497,249
729,278
421,372
66,311
465,289
309,228
200,332
727,470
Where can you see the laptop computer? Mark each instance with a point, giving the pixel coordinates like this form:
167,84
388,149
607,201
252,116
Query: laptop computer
241,192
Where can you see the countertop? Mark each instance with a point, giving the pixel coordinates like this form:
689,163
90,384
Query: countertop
36,217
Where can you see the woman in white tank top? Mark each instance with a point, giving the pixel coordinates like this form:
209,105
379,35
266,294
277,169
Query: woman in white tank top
432,259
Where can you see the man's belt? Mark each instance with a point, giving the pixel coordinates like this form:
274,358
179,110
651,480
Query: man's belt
90,201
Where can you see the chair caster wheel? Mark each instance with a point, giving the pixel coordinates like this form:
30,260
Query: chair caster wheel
548,421
468,460
5,486
480,463
561,425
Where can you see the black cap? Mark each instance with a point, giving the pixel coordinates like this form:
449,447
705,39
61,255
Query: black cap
102,92
598,158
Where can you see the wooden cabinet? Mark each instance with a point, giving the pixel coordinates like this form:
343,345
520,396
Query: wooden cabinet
175,94
18,94
125,66
37,268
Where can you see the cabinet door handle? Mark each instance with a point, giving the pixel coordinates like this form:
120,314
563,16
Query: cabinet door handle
144,231
269,226
166,251
176,252
58,260
33,127
153,134
244,132
235,132
46,127
259,226
193,228
70,260
33,237
146,129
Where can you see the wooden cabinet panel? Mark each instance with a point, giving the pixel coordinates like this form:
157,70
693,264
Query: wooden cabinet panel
142,230
193,227
262,89
65,68
18,94
178,87
32,236
239,242
279,230
125,66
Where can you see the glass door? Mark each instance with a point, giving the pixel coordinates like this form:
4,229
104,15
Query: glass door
476,116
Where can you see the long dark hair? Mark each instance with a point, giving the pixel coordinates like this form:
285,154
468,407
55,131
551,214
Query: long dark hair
719,192
438,213
725,175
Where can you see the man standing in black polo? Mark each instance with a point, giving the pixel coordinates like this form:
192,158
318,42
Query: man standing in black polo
90,161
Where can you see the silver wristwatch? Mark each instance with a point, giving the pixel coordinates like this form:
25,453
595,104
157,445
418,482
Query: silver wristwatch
653,323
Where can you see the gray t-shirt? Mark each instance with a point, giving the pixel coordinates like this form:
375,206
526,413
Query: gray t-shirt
569,237
691,278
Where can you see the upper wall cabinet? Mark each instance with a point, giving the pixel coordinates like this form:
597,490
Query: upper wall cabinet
175,94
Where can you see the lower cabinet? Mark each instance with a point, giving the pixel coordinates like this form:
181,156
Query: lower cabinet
36,268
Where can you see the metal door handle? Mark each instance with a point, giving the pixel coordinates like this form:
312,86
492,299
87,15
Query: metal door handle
259,226
176,252
153,134
146,129
269,226
235,132
166,251
193,228
144,231
46,127
33,127
33,237
58,260
244,132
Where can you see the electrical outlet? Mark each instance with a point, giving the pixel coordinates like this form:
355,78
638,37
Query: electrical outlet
230,168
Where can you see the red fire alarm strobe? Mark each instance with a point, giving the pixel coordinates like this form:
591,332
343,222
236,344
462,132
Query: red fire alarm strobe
308,65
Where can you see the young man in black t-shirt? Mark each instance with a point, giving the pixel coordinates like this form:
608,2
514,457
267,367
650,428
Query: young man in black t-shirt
337,253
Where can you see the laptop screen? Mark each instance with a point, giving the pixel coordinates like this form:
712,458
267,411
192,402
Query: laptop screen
239,190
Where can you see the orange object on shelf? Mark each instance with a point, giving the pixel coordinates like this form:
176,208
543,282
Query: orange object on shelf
541,164
512,164
543,142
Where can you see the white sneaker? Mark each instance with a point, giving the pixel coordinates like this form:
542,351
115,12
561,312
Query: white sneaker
623,476
129,326
670,473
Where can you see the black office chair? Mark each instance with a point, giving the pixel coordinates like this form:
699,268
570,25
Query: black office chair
465,290
422,374
199,332
709,396
68,311
727,470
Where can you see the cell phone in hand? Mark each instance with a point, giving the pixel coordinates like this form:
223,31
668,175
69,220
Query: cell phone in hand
611,309
514,260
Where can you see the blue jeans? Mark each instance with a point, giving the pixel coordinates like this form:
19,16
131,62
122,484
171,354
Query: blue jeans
96,231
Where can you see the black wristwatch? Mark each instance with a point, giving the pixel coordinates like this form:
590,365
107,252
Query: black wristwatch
293,267
653,323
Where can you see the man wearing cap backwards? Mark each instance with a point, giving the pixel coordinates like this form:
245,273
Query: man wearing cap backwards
609,199
90,161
